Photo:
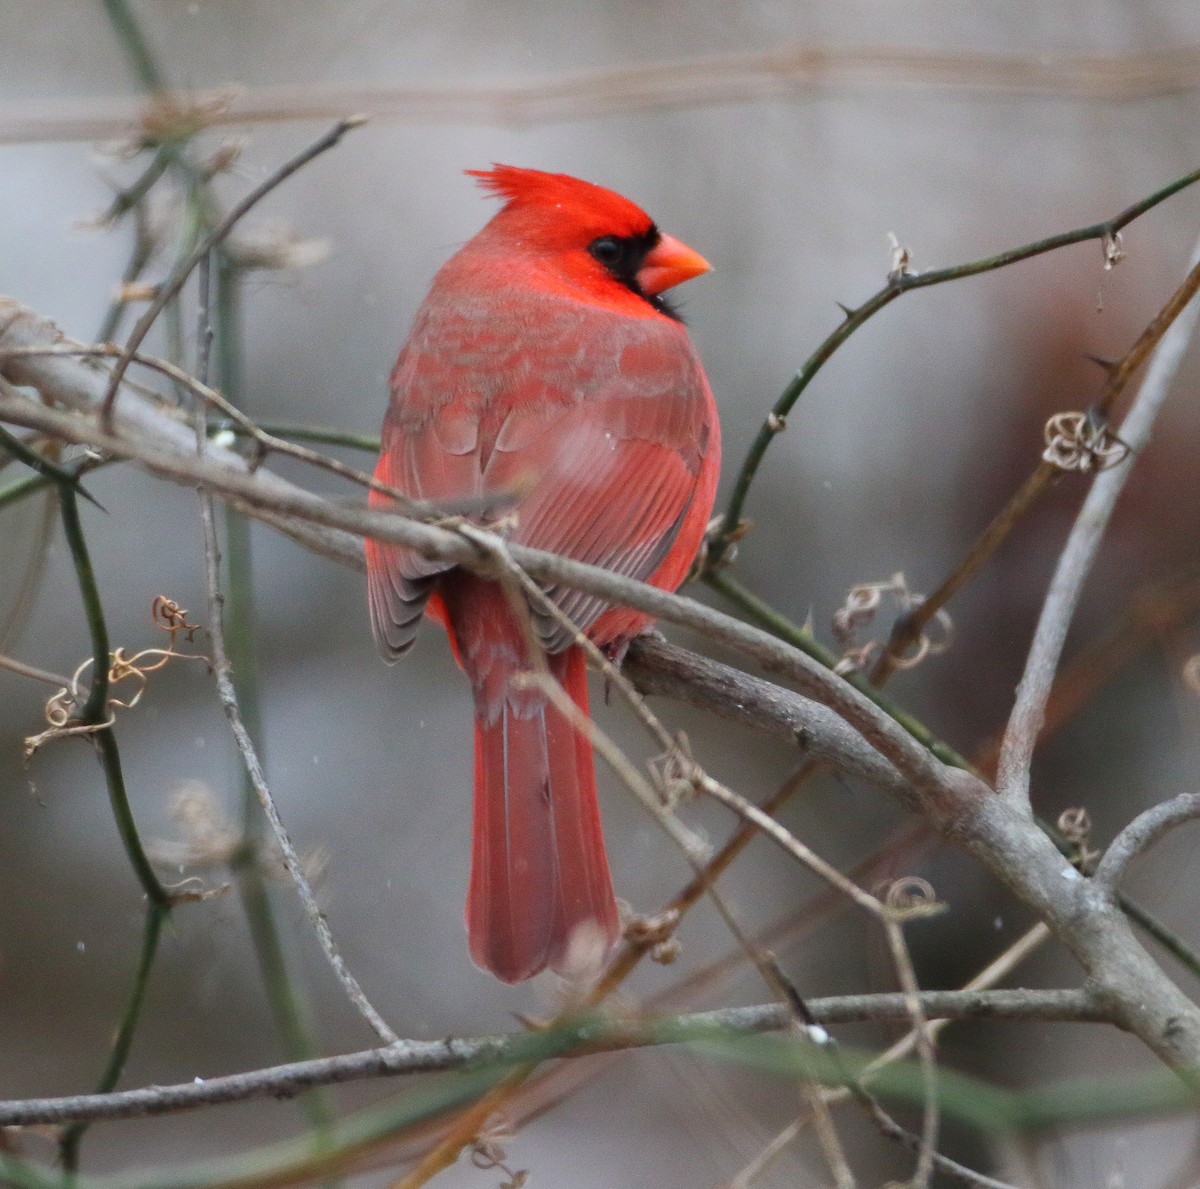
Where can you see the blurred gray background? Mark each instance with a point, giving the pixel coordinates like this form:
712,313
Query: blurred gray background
894,460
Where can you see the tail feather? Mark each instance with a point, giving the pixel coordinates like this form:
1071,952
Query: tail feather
539,869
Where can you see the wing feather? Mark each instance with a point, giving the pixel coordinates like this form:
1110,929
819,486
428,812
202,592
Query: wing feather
604,422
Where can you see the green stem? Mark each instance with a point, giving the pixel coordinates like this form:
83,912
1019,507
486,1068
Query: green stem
95,709
779,625
110,762
156,916
133,42
45,467
899,283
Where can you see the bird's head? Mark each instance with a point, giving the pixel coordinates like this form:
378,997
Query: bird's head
596,234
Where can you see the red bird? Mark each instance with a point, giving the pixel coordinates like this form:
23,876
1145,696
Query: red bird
545,362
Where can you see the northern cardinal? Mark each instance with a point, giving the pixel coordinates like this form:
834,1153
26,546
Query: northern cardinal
545,362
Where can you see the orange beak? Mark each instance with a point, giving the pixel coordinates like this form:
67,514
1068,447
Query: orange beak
670,263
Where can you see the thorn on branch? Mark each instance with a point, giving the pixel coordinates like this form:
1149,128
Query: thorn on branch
1108,366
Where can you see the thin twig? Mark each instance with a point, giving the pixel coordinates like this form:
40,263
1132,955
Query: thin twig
229,701
410,1057
518,587
174,284
898,283
32,671
1168,336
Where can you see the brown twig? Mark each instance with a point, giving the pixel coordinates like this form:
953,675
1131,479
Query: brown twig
909,627
781,72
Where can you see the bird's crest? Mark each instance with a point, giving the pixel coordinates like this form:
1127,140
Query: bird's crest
535,189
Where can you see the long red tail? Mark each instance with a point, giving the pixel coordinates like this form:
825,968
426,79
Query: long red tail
538,864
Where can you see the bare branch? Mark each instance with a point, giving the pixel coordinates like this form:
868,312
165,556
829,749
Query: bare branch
222,669
428,1056
784,71
33,672
1172,330
954,802
1141,834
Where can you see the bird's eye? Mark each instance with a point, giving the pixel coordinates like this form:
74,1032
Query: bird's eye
608,250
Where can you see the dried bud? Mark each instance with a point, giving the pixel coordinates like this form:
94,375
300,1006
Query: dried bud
275,246
901,257
1075,825
666,952
1082,442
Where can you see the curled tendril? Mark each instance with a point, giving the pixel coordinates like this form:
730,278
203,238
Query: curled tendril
1082,442
675,774
64,706
1075,825
861,605
488,1153
172,618
909,896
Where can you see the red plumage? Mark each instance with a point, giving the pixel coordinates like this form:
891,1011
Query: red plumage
543,362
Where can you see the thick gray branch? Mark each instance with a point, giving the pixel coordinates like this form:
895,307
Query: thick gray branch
1141,834
659,668
1135,992
418,1056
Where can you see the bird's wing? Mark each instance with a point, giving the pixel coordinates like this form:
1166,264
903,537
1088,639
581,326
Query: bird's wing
591,442
613,450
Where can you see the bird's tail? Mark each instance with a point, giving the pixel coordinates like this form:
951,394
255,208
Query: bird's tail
539,872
